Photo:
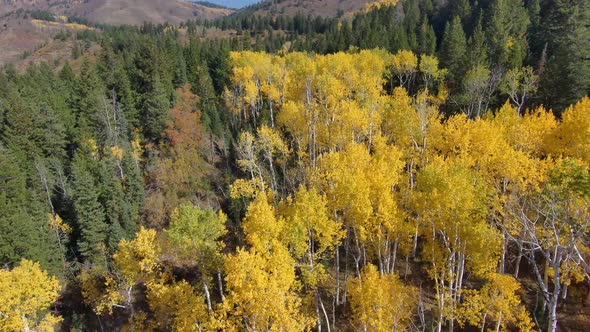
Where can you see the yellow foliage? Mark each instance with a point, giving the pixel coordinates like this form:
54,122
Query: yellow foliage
135,261
57,224
137,149
116,152
176,307
262,292
404,63
26,295
572,138
260,225
139,257
498,302
381,302
307,215
430,69
379,4
244,188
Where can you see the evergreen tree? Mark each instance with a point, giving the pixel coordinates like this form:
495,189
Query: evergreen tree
477,47
454,52
202,85
426,38
118,85
91,226
154,97
567,78
461,8
154,112
24,224
87,100
133,188
179,70
112,199
21,130
506,33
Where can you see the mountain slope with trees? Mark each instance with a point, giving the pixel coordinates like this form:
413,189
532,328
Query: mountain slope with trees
411,168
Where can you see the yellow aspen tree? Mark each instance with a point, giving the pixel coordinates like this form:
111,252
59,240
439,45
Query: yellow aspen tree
177,307
196,238
245,97
496,303
453,203
343,177
572,138
261,282
261,292
429,68
369,92
136,261
553,218
381,302
532,133
361,189
404,66
313,237
26,296
386,229
258,155
273,150
261,225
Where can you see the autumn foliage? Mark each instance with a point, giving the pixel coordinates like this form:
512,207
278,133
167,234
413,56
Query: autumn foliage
364,208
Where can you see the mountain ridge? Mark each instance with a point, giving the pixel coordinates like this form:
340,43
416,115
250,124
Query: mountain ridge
121,12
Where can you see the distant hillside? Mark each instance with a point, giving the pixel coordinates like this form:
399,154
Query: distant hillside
118,12
22,34
326,8
27,26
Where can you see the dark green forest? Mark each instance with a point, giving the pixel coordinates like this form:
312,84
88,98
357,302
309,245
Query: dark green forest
148,179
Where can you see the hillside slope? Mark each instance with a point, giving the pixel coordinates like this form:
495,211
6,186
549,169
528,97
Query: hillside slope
22,35
136,12
119,12
326,8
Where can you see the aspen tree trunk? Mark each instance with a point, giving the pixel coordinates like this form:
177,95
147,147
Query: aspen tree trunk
503,256
325,313
220,281
131,308
394,258
554,300
498,324
207,295
337,276
272,173
518,260
272,118
317,313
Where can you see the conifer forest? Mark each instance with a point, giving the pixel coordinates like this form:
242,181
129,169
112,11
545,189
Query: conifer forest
418,165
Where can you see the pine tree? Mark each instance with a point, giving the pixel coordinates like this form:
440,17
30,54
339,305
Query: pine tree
133,188
477,46
180,72
154,112
454,52
24,225
426,38
506,33
118,85
91,226
462,8
202,85
88,98
567,78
